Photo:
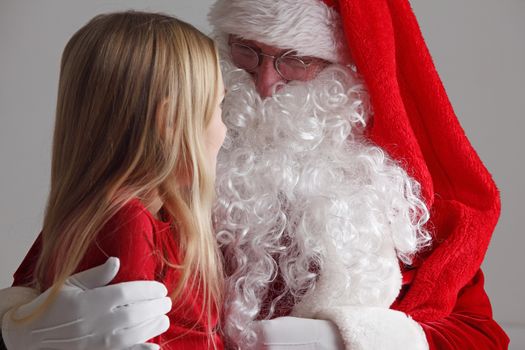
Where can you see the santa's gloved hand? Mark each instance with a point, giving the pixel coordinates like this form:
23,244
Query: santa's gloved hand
87,314
286,333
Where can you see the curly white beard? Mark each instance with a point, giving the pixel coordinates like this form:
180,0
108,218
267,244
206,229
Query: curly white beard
299,186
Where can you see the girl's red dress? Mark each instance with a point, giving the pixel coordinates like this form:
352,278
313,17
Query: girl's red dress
138,239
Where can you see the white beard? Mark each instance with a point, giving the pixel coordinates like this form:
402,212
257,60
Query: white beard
298,185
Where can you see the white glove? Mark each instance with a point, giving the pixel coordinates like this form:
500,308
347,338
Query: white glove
286,333
87,314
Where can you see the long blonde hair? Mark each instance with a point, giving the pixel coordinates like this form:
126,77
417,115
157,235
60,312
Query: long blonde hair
136,93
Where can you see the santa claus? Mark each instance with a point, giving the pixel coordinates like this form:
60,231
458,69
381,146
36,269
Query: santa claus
352,210
343,154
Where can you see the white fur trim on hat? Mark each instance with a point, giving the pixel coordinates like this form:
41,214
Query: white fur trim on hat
309,26
376,328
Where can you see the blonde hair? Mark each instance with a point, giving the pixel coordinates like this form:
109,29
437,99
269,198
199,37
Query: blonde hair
136,93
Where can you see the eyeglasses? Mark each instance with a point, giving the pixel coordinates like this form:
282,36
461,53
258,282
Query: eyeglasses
289,66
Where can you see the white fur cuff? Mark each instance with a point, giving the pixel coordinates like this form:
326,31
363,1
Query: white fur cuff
374,328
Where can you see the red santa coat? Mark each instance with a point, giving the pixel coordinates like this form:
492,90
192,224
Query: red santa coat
136,238
415,123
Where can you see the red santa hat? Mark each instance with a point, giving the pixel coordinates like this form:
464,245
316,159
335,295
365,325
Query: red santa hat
309,26
413,121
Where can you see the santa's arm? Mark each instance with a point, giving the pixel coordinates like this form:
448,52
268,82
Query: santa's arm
469,326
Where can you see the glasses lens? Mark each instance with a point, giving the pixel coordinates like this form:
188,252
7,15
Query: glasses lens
292,68
244,56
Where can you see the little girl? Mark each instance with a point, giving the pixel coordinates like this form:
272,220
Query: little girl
138,128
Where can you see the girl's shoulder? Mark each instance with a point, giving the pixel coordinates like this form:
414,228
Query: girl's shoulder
133,211
131,235
131,229
134,216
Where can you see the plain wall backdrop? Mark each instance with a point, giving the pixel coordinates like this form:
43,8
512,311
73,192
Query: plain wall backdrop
478,47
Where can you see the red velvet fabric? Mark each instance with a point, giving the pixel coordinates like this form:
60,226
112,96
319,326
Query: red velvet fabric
470,324
415,123
136,237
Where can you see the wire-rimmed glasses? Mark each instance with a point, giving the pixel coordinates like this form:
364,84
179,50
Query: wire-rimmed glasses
288,65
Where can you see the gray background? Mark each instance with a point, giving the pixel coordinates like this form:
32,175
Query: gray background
478,47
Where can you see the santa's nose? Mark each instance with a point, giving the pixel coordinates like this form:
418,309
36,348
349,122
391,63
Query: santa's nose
266,77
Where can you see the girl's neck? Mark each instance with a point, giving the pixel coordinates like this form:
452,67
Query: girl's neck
153,202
